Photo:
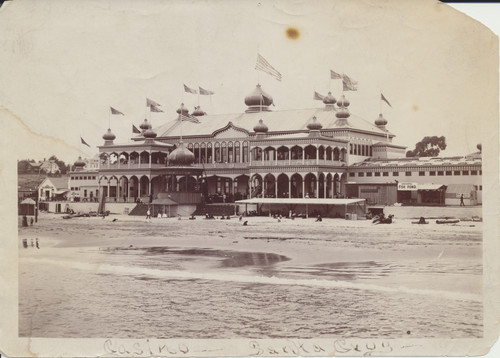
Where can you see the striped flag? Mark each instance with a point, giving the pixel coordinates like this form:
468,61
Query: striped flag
205,92
349,84
318,97
190,90
334,75
150,102
135,130
189,119
384,99
264,66
115,111
154,108
84,142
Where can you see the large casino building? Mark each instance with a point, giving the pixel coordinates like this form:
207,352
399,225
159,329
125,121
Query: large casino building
321,153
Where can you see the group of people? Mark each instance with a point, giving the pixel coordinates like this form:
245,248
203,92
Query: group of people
33,243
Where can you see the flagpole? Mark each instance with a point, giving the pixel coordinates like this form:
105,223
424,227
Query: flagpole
109,118
380,102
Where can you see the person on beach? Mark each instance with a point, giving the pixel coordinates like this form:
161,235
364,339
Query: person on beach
148,214
462,200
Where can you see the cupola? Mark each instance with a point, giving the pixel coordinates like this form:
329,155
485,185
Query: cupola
108,137
79,164
198,111
181,155
380,122
258,101
329,102
260,128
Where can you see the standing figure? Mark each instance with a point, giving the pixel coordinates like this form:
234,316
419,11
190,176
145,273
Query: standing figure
462,200
148,214
37,243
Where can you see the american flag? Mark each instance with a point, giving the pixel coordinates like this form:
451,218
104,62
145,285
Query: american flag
349,84
264,66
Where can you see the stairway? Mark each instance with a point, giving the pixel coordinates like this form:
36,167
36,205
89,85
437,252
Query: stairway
139,210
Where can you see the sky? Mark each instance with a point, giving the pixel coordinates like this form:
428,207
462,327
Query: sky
64,63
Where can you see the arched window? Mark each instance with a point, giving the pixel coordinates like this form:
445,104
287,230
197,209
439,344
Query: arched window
245,152
237,152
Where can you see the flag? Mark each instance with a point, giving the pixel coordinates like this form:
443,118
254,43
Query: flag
318,97
135,130
384,99
206,92
334,75
84,142
349,84
264,66
154,108
115,111
190,90
150,102
190,119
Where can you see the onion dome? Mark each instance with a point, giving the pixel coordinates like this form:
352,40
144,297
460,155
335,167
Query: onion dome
343,102
145,125
329,99
79,163
108,135
181,155
479,147
380,121
258,100
314,125
342,113
183,110
198,111
149,134
260,127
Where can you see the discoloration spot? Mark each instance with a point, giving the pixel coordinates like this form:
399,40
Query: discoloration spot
415,107
292,33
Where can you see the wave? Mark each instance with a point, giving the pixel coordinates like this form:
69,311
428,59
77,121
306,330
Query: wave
228,277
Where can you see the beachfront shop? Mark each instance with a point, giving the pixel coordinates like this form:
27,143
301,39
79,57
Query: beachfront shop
374,194
421,194
454,192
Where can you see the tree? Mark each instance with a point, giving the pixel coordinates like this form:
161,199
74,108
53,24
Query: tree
428,147
62,166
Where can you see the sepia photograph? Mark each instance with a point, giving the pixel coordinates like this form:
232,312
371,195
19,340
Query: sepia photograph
273,178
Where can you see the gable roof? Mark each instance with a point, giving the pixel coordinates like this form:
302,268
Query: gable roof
279,121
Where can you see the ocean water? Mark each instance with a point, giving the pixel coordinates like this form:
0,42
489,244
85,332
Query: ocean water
185,292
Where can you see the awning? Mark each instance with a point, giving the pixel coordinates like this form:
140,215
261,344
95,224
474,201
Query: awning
164,201
429,186
460,188
28,201
62,191
309,201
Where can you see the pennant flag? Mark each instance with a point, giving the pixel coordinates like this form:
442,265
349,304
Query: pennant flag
154,108
150,102
264,66
135,130
349,84
115,111
334,75
84,142
190,90
384,99
318,97
206,92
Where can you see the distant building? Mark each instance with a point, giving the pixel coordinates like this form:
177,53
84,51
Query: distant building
83,180
49,167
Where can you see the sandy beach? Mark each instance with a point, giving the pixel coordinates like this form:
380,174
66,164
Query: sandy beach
417,280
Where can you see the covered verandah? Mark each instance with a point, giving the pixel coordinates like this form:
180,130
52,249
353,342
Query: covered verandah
289,207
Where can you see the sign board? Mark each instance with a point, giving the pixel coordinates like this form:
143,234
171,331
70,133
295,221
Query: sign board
466,195
407,186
